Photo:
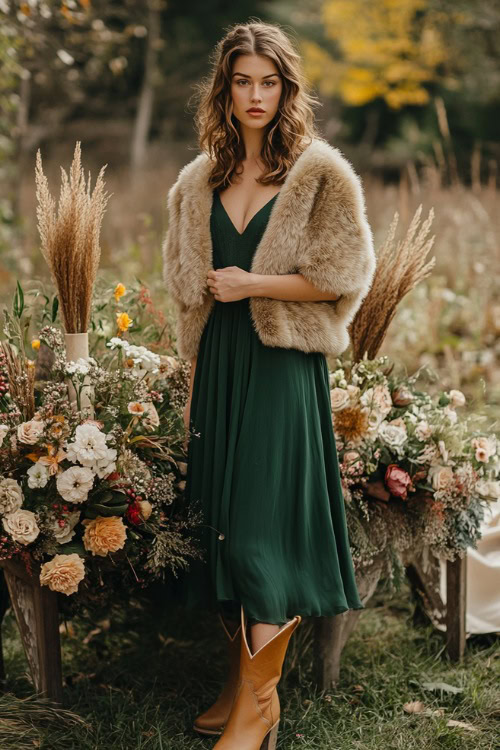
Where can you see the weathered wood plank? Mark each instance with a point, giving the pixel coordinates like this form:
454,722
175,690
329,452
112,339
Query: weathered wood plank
36,611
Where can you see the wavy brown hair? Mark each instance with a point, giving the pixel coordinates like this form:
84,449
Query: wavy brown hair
290,130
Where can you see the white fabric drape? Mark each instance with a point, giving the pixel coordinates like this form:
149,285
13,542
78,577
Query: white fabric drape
483,577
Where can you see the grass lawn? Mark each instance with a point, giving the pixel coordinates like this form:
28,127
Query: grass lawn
138,680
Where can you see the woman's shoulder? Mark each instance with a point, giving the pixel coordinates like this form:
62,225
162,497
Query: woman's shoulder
325,159
189,172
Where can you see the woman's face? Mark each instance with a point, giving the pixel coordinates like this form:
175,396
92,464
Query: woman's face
255,83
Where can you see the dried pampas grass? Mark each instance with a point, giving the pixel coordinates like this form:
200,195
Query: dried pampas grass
399,269
21,377
70,239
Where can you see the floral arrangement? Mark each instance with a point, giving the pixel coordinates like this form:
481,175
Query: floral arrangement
90,495
416,473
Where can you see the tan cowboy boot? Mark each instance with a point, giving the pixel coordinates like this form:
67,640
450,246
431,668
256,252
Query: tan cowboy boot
255,714
213,719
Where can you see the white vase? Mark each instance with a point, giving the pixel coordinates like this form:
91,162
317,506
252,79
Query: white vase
77,347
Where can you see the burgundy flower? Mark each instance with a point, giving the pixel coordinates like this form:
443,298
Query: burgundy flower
397,480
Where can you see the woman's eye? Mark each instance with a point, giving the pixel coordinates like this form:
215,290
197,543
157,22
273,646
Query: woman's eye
243,80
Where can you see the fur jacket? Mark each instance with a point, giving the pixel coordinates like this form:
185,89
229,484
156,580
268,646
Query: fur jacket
317,227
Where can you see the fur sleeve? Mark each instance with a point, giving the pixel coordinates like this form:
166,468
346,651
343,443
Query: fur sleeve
336,249
170,246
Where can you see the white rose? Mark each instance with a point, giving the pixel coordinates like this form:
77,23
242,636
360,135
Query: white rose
3,431
30,432
393,435
339,399
75,483
423,430
22,526
440,476
38,475
11,496
457,398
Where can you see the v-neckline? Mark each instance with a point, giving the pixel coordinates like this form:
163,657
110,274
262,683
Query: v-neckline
240,234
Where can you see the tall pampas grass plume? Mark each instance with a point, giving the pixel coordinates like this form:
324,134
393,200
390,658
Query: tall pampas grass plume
70,238
400,267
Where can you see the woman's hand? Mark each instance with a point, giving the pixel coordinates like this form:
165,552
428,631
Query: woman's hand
230,284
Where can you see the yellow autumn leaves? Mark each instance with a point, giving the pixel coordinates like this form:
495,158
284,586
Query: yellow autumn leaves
388,49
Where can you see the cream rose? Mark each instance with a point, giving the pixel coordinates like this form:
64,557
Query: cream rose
104,534
440,476
30,432
11,496
22,526
63,573
339,398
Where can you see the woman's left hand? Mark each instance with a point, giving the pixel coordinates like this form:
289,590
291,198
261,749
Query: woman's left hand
230,284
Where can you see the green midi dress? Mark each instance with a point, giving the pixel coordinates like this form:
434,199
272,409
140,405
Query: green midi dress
262,464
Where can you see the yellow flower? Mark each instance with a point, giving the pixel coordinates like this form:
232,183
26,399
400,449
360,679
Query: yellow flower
35,344
123,321
119,291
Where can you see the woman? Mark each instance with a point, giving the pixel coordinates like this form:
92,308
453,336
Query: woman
268,255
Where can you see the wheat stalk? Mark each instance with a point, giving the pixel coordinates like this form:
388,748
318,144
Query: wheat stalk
399,269
70,239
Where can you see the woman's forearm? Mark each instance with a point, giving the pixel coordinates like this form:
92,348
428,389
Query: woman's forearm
291,286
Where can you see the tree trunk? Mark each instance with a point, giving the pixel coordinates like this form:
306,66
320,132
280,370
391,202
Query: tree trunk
144,112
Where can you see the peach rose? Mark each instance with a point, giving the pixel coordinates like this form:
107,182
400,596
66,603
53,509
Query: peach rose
440,476
63,573
30,432
398,481
104,534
